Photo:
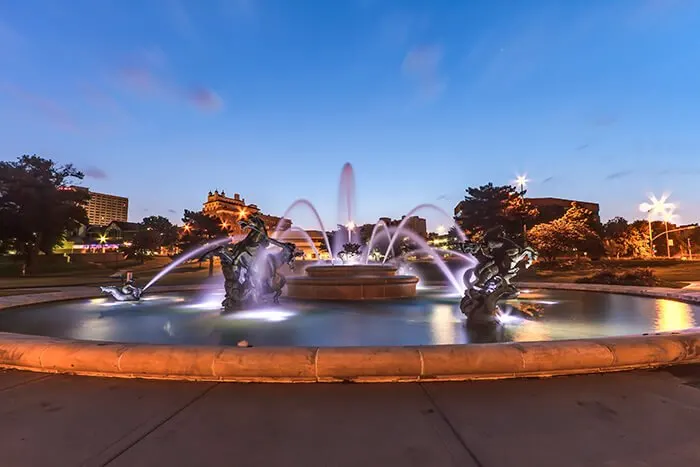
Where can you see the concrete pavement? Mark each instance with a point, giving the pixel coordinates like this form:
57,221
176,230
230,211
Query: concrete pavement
624,419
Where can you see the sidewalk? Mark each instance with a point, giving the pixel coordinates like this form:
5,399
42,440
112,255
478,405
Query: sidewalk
624,419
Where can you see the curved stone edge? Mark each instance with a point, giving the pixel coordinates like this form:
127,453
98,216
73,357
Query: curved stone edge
348,364
352,364
680,295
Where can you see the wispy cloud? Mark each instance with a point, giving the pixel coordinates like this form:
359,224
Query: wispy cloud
146,80
204,98
618,175
422,65
582,147
49,108
547,180
172,211
95,172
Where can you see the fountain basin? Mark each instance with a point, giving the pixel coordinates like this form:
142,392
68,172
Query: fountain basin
351,283
381,356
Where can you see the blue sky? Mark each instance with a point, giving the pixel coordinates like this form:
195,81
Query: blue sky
164,100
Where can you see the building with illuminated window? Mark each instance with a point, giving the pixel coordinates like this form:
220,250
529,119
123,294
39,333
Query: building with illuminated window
232,210
103,208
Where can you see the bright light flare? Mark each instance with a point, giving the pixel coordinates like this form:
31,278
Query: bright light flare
350,226
658,206
521,182
441,230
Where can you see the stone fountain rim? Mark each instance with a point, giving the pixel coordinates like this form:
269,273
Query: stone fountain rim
342,364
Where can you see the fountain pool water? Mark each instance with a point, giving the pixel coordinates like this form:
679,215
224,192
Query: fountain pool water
432,317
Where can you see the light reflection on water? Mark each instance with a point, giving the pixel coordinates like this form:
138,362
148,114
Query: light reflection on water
673,316
432,318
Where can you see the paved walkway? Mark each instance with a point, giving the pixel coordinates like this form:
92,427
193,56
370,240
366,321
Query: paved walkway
624,419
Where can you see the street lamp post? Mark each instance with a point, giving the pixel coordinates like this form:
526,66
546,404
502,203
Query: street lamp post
667,217
521,184
656,207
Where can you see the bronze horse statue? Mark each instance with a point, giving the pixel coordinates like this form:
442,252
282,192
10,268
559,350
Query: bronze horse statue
250,267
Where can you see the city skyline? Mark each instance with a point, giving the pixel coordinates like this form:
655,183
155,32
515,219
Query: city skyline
165,101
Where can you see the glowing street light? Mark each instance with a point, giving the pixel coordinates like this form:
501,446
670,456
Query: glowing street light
242,213
521,182
224,225
658,207
186,227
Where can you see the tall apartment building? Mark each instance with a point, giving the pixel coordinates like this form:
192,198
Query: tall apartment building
103,209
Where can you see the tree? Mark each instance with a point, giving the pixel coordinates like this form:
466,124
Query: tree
570,234
164,228
142,246
490,206
622,239
200,228
38,205
615,227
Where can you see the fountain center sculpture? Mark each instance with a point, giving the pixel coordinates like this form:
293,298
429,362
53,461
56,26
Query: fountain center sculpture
251,266
499,261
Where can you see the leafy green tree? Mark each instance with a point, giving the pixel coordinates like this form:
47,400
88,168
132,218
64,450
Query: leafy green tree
167,232
622,239
615,227
490,206
571,234
38,205
199,229
143,245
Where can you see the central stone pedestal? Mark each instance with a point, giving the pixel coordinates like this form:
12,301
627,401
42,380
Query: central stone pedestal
351,282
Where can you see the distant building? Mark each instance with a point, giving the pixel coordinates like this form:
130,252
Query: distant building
302,243
232,210
103,209
553,208
120,232
414,223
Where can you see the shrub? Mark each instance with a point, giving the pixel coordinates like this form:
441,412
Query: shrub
639,277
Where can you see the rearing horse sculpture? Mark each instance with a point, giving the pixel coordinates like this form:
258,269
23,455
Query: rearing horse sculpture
500,260
250,268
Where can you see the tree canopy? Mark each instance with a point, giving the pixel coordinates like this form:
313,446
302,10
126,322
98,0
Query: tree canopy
38,205
571,234
154,232
490,206
200,228
622,239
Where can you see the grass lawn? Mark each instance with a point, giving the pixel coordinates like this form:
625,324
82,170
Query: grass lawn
676,273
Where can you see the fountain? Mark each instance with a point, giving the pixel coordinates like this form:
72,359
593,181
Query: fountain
357,279
369,303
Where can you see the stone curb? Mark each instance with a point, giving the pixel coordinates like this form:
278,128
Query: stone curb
692,297
349,364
